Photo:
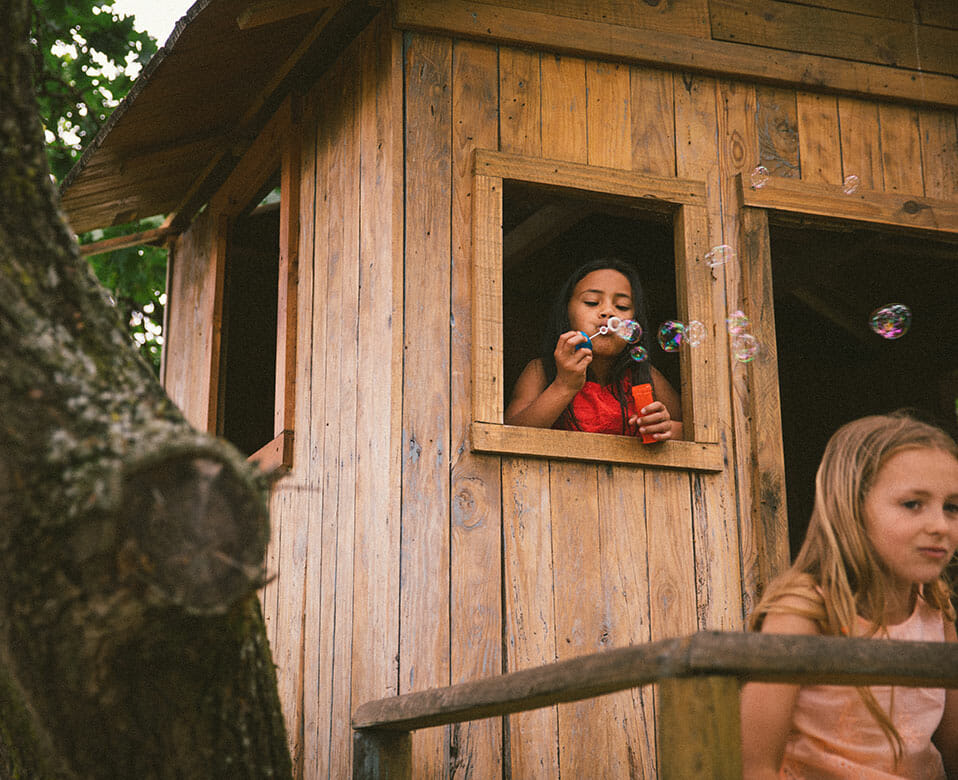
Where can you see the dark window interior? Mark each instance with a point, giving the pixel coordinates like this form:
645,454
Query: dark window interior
248,362
547,233
827,280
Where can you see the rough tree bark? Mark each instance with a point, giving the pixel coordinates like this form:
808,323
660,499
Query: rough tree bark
131,642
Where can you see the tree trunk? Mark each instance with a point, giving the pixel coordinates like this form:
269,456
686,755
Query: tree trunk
131,641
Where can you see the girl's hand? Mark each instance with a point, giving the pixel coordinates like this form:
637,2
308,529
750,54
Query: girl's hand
654,419
571,363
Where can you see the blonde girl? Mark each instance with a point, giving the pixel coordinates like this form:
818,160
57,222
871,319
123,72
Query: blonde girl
883,529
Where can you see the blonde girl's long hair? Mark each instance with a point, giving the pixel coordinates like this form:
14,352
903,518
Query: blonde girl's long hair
837,575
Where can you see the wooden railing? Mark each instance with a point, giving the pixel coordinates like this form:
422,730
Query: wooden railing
699,678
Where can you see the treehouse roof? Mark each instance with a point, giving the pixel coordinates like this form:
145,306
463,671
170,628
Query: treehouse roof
199,103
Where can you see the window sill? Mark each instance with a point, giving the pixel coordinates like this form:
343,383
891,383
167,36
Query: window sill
275,455
598,447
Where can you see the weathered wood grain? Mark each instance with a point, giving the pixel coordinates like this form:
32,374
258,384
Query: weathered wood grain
475,487
819,150
424,575
860,142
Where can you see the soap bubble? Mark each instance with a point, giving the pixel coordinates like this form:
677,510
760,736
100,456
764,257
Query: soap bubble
671,335
719,255
737,322
851,183
613,323
638,353
695,333
630,330
891,321
744,347
760,177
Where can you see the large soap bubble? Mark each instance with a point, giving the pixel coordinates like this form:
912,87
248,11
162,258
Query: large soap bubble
891,321
671,335
744,347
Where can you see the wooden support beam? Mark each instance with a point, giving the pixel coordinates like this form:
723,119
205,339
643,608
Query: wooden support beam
460,18
830,201
153,236
699,724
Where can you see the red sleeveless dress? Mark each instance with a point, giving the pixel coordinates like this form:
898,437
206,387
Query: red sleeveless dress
596,410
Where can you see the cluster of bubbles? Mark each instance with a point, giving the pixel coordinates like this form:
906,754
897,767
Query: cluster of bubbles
744,345
760,177
891,321
673,335
630,330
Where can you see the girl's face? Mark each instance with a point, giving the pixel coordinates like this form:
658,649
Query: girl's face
911,515
599,295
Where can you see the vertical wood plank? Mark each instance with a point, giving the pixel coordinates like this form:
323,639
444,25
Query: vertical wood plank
329,424
529,607
564,106
316,737
776,123
378,424
818,146
739,136
520,128
487,385
939,153
286,308
901,149
476,529
609,115
652,114
700,716
302,478
345,461
860,143
424,576
768,510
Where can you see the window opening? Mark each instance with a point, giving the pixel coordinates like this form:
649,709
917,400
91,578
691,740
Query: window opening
827,279
248,351
547,234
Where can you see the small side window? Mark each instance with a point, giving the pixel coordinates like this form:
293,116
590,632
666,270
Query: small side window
256,214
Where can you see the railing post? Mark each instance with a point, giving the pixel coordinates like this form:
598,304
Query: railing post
700,734
379,754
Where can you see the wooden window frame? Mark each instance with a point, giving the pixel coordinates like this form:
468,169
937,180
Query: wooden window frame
686,202
277,147
762,404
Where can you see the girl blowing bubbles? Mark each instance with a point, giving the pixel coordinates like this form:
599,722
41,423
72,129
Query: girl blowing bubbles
576,388
883,529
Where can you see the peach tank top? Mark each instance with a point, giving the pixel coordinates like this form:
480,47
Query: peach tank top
835,736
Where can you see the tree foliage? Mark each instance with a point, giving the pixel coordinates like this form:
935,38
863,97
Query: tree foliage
86,57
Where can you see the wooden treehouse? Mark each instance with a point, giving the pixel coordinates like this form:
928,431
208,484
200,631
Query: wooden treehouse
368,206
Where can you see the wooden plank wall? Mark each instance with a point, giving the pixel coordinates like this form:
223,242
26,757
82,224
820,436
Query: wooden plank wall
593,556
403,561
332,608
